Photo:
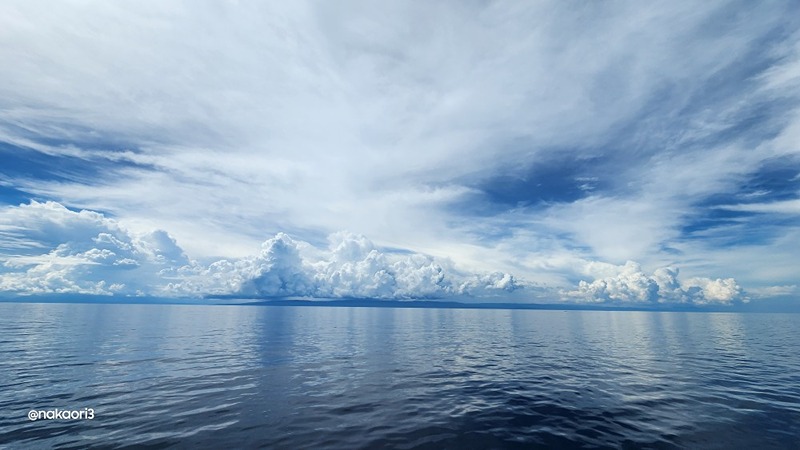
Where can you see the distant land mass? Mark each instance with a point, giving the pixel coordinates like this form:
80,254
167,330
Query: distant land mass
765,306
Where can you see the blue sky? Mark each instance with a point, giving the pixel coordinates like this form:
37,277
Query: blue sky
604,152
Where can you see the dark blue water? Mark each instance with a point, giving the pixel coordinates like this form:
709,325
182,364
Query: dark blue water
316,377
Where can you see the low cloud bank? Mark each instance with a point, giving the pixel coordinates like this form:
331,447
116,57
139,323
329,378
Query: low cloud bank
631,285
350,267
48,248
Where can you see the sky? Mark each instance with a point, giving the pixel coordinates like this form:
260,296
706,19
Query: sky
551,151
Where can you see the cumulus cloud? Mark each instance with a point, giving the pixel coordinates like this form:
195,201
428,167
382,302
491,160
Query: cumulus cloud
351,266
48,248
630,284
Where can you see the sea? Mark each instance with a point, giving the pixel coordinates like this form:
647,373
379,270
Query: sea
318,377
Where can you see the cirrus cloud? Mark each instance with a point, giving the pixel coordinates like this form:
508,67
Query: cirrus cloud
524,138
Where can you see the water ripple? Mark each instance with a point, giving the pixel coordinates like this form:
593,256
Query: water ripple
209,377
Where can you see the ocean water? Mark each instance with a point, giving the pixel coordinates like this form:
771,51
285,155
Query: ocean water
182,376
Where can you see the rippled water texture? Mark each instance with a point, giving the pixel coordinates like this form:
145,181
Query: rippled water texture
317,377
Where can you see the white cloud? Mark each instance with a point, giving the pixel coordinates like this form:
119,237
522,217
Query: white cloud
629,284
47,248
227,122
330,114
705,290
779,207
616,229
774,291
55,250
351,267
51,249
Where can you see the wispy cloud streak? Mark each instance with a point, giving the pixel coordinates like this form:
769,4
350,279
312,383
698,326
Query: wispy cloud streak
530,139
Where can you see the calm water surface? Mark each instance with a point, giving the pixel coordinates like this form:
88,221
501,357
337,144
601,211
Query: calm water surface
321,377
